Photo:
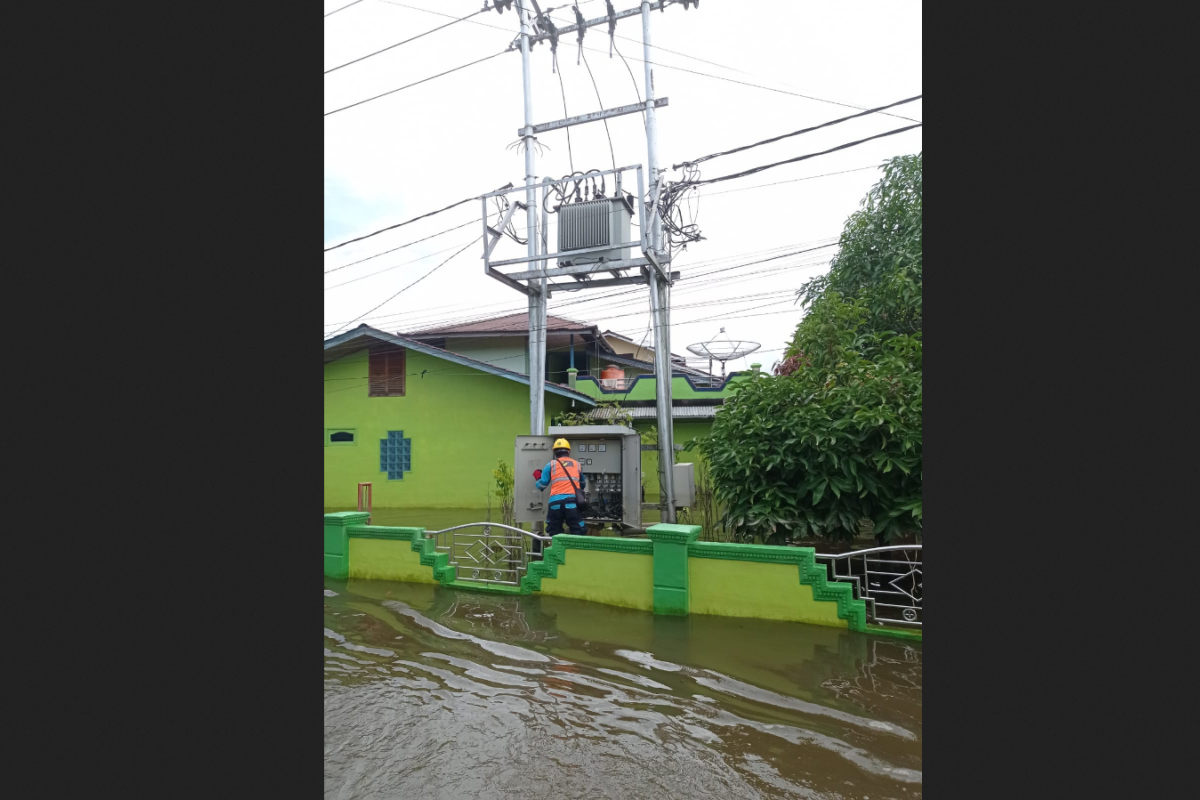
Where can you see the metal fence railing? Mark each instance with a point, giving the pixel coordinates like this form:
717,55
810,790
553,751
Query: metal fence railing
488,552
888,579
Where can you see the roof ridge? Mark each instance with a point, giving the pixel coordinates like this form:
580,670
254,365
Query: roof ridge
496,324
520,377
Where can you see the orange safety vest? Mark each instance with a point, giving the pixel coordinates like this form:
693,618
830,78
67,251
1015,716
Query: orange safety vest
558,479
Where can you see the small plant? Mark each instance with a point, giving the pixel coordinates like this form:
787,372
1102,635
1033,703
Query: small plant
505,480
610,413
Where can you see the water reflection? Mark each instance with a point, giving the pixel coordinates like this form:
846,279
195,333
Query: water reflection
436,693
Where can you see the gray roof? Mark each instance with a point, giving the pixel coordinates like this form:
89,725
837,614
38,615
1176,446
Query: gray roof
352,341
650,412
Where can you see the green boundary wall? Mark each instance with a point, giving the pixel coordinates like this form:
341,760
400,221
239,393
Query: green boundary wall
668,573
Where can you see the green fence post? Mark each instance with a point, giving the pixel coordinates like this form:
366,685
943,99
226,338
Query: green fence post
337,542
671,566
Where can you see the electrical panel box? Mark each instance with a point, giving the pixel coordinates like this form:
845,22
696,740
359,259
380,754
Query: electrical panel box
685,485
610,456
594,223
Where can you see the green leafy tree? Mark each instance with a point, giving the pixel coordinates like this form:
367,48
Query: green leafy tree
879,253
834,437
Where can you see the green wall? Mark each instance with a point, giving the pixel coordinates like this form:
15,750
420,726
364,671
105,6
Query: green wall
645,389
669,572
685,430
611,578
460,420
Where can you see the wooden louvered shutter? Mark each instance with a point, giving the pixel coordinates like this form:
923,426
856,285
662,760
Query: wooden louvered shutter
385,372
395,370
377,373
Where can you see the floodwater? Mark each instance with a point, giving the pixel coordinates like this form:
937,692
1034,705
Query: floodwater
436,693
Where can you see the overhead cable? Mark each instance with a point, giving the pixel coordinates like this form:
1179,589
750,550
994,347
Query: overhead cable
669,66
401,247
755,170
417,83
397,44
405,289
414,219
343,8
773,139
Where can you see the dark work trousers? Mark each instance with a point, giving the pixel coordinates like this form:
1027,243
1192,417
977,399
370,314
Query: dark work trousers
559,512
564,511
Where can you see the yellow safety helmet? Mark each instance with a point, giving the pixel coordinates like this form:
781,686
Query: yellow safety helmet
561,444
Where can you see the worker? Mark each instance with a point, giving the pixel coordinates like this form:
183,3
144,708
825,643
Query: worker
562,475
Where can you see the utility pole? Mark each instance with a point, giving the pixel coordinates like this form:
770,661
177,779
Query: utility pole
656,267
537,297
660,298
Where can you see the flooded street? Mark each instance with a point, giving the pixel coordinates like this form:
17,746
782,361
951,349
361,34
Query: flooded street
436,693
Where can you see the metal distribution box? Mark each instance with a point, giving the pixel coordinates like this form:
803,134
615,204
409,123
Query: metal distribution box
685,485
609,455
594,223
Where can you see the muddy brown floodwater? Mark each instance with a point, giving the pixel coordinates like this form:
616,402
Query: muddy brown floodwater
437,693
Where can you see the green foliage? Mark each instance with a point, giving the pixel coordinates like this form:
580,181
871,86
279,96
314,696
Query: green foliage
835,436
610,413
879,254
503,475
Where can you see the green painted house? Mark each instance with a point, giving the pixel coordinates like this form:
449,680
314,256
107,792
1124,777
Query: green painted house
424,425
424,416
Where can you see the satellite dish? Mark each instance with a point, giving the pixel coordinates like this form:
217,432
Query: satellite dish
722,350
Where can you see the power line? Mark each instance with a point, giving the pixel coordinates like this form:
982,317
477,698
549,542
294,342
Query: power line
780,91
444,321
619,293
755,170
406,41
669,66
773,139
609,295
417,83
397,294
343,8
636,90
790,180
401,247
396,266
570,154
601,102
414,219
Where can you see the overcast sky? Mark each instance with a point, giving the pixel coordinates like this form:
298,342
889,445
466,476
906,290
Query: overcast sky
431,145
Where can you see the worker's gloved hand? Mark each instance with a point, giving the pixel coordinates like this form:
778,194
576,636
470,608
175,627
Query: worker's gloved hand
537,474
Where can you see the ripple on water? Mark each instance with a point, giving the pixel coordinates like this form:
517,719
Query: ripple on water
417,706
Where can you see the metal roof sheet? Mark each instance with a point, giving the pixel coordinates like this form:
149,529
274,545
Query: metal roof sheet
510,323
344,344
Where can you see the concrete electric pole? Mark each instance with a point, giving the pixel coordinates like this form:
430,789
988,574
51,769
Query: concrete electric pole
536,27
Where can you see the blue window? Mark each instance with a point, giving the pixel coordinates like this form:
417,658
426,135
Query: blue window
395,455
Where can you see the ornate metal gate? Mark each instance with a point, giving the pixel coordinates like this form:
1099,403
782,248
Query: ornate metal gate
488,552
887,578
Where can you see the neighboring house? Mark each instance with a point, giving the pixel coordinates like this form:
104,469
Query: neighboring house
642,351
426,426
504,341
